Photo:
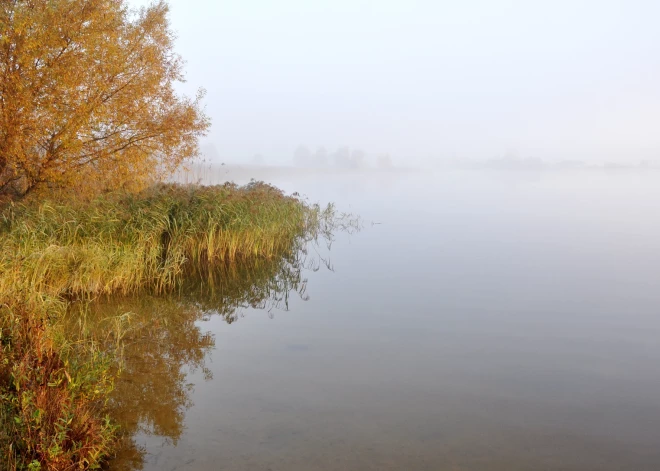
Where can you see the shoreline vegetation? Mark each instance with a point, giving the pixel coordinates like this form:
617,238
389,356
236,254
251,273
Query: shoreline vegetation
55,385
91,126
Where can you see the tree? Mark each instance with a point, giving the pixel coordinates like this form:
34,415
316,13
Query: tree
342,157
384,161
321,157
87,95
302,156
358,158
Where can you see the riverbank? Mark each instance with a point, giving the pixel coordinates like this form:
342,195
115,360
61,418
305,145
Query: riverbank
54,388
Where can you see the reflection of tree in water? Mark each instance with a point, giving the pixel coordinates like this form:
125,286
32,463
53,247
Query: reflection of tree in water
161,340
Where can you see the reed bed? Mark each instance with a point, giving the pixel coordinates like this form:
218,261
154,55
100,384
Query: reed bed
124,243
53,387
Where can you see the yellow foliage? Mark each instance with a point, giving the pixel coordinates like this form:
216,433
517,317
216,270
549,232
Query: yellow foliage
87,96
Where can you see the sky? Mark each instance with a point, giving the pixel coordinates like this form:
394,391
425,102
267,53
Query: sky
426,80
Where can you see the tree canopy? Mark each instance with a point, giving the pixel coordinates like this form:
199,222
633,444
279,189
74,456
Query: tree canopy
87,97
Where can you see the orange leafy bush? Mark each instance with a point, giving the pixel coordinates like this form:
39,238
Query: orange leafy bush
87,97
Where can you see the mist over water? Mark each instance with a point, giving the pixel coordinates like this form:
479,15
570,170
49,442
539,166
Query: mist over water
499,308
425,81
480,320
330,235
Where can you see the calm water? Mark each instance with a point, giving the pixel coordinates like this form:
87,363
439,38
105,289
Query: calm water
490,321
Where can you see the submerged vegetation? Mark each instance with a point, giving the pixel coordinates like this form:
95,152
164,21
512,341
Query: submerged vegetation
55,385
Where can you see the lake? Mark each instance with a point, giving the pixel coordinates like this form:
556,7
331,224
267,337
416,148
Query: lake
480,320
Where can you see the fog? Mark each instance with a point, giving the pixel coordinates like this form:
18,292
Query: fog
425,81
479,320
497,311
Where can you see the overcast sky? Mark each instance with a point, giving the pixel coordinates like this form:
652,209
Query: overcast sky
432,79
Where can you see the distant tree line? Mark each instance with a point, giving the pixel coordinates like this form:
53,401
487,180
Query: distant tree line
343,157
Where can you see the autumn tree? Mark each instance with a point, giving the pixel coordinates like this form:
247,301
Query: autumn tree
302,156
87,96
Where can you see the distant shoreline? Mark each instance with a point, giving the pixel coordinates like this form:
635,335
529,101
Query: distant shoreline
219,173
212,173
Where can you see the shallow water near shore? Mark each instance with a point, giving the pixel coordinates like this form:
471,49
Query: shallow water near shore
479,321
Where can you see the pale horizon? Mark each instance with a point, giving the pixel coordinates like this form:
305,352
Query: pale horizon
426,81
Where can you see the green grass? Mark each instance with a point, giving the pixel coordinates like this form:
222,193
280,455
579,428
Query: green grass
53,385
127,243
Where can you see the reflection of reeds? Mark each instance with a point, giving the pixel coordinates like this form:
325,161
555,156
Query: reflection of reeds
53,385
161,339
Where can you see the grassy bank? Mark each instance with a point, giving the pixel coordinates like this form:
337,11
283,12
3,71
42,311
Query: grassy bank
53,387
53,393
126,243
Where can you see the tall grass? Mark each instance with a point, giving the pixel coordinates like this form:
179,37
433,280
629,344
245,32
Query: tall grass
127,243
53,387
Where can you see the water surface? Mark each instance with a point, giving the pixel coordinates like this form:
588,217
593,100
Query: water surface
479,321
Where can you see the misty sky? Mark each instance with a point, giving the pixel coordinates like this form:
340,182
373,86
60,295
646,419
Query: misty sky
427,79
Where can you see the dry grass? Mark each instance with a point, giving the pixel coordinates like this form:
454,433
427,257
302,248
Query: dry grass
127,243
53,388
